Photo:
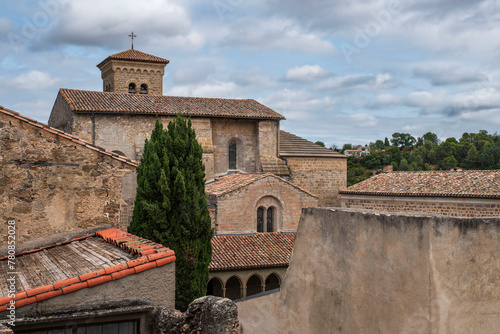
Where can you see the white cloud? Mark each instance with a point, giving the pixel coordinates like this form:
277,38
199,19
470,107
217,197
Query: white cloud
363,120
216,89
31,80
306,73
357,82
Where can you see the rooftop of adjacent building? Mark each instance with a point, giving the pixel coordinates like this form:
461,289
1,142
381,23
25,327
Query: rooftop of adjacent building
245,251
80,263
293,146
229,183
471,183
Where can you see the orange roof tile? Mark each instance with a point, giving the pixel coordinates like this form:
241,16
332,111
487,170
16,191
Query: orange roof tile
471,183
66,136
108,255
134,55
109,102
228,183
261,250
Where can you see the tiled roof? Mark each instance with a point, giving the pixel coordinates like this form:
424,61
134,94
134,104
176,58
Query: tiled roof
261,250
232,182
476,184
294,146
77,264
61,134
134,55
108,102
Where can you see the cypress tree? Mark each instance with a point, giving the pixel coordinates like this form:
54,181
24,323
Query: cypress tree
171,206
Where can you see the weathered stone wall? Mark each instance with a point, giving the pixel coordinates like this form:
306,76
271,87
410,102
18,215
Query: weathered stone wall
207,315
118,74
50,184
455,207
370,272
61,116
322,176
237,210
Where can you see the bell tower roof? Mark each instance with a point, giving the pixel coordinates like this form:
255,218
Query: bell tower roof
134,55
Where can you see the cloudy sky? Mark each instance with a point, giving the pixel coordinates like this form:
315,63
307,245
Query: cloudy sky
339,71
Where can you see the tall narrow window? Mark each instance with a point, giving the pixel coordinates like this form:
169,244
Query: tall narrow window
131,88
260,219
232,155
270,219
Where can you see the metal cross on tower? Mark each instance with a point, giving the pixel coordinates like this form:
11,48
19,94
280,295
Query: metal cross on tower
132,36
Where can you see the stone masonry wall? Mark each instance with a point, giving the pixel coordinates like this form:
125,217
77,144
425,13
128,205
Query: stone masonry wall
455,207
324,177
61,116
237,210
50,184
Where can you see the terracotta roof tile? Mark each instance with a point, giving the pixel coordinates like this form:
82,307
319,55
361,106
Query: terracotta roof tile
294,146
472,183
232,182
261,250
134,55
108,102
67,136
108,255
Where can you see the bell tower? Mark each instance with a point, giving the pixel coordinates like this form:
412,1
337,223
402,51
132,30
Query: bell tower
133,72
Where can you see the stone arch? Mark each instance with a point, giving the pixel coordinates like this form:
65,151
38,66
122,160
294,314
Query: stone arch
132,88
233,288
239,152
215,287
144,88
272,205
273,281
254,285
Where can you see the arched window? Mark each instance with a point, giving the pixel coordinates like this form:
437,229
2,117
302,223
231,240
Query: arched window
272,282
232,155
254,285
233,288
214,287
260,219
131,88
144,89
270,219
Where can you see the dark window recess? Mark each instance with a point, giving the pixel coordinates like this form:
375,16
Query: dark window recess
128,327
144,89
260,219
131,88
232,155
270,218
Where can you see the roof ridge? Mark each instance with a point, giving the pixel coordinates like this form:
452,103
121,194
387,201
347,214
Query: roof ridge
67,136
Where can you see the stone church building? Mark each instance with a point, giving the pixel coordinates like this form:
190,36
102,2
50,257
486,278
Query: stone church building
236,135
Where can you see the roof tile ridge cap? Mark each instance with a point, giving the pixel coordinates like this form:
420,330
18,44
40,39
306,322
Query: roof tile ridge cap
48,246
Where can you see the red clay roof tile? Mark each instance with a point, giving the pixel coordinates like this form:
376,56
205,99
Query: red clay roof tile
471,183
134,55
261,250
108,102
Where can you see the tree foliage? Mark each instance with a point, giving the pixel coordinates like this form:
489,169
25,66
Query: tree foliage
472,151
171,206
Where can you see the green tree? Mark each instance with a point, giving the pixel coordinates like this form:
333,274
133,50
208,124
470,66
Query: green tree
449,163
386,142
171,206
320,143
471,159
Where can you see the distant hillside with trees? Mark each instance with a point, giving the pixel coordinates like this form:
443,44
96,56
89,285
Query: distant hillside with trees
407,153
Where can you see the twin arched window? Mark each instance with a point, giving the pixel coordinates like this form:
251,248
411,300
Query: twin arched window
266,219
132,88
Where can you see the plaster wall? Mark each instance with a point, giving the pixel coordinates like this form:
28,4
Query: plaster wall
50,184
367,272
